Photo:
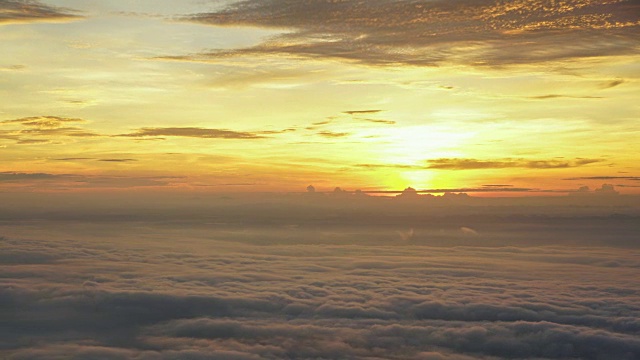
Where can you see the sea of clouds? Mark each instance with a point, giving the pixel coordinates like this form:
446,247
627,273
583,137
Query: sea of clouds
137,291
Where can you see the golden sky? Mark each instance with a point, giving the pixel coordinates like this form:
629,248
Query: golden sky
274,95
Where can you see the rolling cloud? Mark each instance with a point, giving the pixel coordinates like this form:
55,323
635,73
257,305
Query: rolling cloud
426,33
150,297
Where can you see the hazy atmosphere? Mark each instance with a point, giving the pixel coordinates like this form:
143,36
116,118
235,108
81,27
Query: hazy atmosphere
319,179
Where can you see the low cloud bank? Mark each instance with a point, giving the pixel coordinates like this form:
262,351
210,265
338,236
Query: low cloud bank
135,293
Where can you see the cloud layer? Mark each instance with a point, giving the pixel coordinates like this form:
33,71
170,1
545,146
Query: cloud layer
385,32
167,292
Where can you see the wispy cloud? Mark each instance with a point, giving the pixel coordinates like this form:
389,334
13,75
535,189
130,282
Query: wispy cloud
45,122
114,160
612,84
118,160
74,159
508,188
42,129
80,181
29,141
362,112
9,176
13,68
560,96
63,131
194,132
473,164
635,178
361,115
389,166
331,134
25,11
427,33
378,121
476,164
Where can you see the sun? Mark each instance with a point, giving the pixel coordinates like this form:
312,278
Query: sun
401,155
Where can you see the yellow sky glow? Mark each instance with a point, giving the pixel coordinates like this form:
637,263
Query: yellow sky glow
266,97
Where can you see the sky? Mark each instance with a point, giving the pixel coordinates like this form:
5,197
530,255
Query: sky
274,95
307,179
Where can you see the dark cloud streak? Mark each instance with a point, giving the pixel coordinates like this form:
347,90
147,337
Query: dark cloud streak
558,96
331,134
26,11
362,112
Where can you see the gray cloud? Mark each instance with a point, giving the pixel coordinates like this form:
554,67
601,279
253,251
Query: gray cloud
474,164
426,33
132,293
25,11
